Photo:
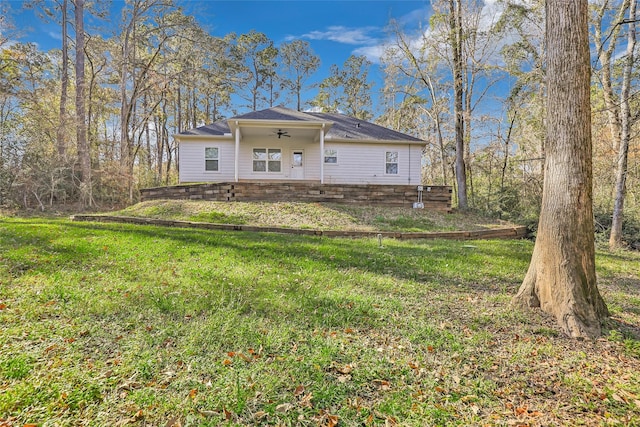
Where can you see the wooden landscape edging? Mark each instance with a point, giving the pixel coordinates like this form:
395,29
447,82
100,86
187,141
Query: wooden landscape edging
518,232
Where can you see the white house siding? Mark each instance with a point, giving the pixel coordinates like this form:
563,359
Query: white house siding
192,161
311,162
360,163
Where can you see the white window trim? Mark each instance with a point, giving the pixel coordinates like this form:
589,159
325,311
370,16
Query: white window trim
267,171
397,163
206,158
337,156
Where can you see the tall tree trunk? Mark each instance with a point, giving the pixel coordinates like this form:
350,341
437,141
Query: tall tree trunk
126,103
125,148
615,239
605,53
214,114
561,279
441,146
158,150
64,85
84,156
505,159
468,93
147,133
455,29
179,109
438,126
169,156
194,107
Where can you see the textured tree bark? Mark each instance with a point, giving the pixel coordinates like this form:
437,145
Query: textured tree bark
64,84
455,27
84,156
615,239
561,279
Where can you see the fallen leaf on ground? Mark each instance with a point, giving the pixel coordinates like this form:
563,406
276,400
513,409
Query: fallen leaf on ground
344,369
344,378
284,407
173,422
382,384
305,402
245,358
260,415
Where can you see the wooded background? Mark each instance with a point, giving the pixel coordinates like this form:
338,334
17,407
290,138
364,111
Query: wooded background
90,123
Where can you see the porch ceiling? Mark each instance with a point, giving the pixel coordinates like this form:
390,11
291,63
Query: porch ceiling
271,133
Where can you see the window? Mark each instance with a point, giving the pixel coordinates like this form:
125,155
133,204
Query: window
211,158
331,156
297,158
267,160
391,163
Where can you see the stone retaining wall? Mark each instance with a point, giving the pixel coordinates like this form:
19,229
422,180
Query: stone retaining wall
436,198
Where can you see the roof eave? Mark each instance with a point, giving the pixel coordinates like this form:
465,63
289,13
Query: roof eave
203,137
294,124
374,141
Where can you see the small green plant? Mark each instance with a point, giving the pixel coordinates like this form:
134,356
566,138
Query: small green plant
82,396
17,367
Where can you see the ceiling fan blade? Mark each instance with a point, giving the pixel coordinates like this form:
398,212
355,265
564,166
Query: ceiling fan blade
282,133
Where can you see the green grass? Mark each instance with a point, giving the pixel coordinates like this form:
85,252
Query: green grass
322,216
113,324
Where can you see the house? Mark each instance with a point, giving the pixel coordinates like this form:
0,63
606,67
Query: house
279,144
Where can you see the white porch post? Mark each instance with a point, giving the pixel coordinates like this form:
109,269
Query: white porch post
237,156
322,155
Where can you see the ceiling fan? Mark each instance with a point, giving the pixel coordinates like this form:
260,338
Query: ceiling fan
282,133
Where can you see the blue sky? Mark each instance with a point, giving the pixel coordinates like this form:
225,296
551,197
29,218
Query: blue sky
335,29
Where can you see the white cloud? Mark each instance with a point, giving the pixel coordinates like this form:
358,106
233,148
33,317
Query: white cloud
319,110
415,17
55,35
372,53
370,42
484,20
341,34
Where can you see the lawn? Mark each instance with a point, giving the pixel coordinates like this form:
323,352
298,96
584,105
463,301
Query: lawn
320,216
116,324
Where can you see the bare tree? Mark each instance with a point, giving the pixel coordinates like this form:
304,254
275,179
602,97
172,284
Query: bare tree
64,84
615,239
84,156
561,279
419,68
455,40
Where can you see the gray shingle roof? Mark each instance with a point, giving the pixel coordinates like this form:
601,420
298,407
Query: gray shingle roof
218,128
277,113
344,127
347,127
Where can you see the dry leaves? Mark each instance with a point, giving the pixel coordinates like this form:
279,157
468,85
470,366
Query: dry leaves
325,419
